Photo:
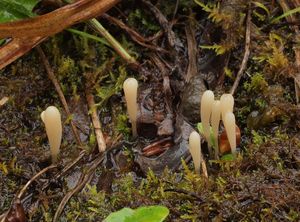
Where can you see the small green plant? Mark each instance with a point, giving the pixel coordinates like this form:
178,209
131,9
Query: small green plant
212,139
141,214
214,11
257,82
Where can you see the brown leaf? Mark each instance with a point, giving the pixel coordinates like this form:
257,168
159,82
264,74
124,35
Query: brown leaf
16,213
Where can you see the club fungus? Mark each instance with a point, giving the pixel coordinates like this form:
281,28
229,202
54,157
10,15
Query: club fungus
227,103
195,150
230,127
130,87
215,121
52,120
205,112
224,146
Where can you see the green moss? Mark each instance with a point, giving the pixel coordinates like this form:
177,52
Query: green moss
257,83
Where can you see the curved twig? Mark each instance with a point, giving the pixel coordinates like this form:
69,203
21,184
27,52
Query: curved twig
23,190
246,55
83,180
19,196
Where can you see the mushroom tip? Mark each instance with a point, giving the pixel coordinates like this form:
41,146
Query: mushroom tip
52,109
208,94
194,135
130,82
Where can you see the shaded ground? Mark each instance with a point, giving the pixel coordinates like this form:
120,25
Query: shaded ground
262,184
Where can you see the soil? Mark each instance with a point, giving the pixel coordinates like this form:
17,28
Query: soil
187,48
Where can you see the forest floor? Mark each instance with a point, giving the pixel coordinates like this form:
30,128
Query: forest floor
177,50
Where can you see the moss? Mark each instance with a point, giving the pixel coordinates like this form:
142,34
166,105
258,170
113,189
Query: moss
257,83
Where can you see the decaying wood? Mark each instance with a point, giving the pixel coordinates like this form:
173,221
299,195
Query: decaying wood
28,33
192,51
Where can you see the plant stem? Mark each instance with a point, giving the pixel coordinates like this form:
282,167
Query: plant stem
111,40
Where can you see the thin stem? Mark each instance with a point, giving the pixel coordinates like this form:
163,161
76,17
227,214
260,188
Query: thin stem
111,40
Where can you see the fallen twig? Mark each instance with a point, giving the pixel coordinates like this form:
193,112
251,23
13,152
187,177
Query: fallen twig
246,55
83,180
58,89
133,34
33,179
4,216
70,165
163,22
192,194
95,120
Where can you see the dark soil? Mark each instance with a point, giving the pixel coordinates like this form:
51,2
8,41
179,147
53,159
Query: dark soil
187,49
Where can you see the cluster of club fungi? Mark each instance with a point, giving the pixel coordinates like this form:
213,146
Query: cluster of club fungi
212,112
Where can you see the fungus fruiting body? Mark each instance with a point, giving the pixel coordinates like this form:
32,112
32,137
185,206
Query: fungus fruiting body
205,112
130,87
224,145
229,123
215,121
227,103
195,150
52,120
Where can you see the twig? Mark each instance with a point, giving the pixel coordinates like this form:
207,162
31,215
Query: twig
112,41
33,179
134,34
192,194
163,22
246,55
84,179
58,89
95,120
23,190
204,168
70,165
